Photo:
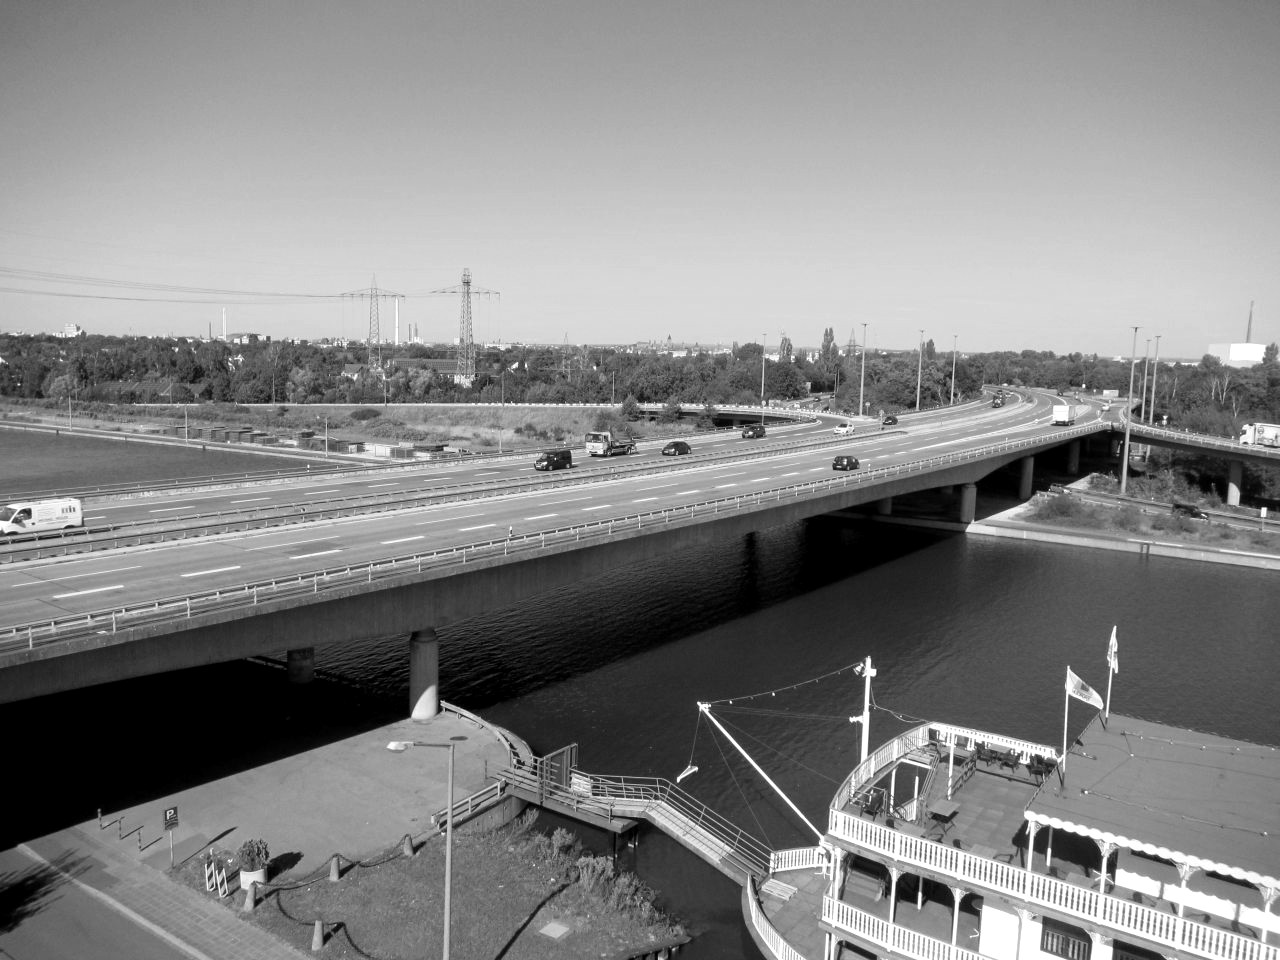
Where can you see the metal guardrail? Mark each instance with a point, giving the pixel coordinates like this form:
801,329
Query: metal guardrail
26,636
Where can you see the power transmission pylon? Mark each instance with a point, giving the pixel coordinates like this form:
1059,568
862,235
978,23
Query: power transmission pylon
466,336
373,294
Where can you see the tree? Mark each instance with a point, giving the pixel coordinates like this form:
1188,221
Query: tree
630,409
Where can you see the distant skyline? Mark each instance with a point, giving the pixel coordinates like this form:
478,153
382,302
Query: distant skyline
1035,175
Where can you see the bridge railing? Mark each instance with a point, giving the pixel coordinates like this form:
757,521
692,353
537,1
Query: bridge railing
112,620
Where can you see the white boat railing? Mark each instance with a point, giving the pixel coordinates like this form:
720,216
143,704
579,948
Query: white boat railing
778,947
798,858
1025,749
897,939
1037,889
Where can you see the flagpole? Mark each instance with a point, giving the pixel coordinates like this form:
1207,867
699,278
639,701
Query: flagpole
1111,670
1066,709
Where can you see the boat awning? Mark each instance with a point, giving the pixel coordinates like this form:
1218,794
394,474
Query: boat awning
1179,794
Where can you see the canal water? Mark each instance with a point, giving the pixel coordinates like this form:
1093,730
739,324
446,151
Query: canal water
962,629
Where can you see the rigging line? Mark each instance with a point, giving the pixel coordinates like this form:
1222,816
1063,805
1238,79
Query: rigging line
787,714
793,686
904,717
697,725
777,752
741,792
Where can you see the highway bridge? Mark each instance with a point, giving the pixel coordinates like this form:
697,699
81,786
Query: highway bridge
186,578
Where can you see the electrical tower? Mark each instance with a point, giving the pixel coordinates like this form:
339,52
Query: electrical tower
373,295
466,335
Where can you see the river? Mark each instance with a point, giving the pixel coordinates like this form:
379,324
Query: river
963,629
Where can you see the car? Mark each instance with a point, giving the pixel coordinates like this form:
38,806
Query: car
1189,510
844,462
890,421
843,430
676,448
752,431
553,460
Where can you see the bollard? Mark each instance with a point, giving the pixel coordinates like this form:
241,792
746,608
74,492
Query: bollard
120,827
334,875
408,845
250,897
99,818
317,936
139,839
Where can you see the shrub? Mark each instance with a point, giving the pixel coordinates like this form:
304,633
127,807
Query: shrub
594,873
365,413
1129,518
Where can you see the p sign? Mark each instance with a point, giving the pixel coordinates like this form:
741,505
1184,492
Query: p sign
171,818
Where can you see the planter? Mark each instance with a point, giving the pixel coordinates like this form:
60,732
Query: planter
252,876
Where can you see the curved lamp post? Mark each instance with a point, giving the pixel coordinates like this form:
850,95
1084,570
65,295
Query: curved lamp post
399,746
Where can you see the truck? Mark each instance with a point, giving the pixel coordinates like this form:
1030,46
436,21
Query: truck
1262,434
33,516
1064,414
602,443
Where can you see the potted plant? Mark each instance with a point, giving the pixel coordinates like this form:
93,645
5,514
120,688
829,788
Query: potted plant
254,858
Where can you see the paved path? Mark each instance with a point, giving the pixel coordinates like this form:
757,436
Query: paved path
353,797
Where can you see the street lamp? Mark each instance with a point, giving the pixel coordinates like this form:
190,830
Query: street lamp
399,746
919,368
1124,464
954,340
502,407
1155,371
862,377
762,338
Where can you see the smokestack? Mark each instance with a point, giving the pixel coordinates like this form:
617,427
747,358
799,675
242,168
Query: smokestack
224,324
1248,333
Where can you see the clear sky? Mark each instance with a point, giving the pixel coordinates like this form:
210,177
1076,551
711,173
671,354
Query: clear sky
1019,174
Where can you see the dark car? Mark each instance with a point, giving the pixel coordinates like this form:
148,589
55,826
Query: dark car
676,448
553,460
844,462
752,430
890,421
1189,510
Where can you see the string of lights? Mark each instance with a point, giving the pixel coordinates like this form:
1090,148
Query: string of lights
1146,807
795,686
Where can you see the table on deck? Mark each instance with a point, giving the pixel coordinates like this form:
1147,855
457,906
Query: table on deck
910,829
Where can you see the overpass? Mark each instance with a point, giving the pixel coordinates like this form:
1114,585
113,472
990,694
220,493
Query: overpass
1233,451
117,614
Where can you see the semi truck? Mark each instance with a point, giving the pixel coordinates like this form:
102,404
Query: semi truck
1064,414
1262,434
33,516
602,443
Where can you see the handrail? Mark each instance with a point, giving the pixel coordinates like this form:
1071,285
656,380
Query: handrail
898,939
765,928
184,606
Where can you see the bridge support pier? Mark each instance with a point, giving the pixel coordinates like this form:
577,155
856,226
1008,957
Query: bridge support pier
424,674
1073,458
1028,474
301,664
968,502
1235,477
884,507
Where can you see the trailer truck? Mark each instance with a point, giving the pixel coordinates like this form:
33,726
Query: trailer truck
1064,414
602,443
33,516
1262,434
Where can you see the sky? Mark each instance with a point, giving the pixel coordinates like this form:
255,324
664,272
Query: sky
1001,175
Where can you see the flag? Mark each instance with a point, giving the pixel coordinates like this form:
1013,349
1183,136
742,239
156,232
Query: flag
1112,661
1081,690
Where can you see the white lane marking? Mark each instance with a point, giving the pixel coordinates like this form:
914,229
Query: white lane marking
82,593
722,486
658,486
681,493
292,543
543,516
644,499
736,474
816,469
600,506
762,479
375,486
387,543
75,576
793,473
465,516
103,517
168,509
321,553
480,527
251,500
487,473
201,573
553,503
316,493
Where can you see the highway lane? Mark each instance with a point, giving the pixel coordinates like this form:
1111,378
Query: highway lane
41,590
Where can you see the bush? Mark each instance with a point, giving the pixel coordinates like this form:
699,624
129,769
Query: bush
365,413
1129,518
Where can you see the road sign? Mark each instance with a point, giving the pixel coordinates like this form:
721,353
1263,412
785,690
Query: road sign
171,818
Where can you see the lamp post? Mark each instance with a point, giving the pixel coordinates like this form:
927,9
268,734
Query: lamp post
919,368
502,406
1146,359
1155,371
762,338
862,377
399,746
954,340
1133,366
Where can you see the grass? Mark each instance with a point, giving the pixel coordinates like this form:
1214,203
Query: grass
507,885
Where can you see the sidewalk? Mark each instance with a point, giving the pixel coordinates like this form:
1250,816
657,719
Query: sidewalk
353,797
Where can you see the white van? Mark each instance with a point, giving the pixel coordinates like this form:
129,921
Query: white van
33,516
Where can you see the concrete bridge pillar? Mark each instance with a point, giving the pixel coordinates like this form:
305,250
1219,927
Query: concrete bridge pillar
1235,476
1073,458
1028,474
424,674
884,507
301,664
968,502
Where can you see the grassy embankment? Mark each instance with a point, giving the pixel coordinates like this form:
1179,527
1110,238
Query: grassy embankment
507,885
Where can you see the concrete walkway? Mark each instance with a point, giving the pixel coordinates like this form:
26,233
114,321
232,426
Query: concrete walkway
354,797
